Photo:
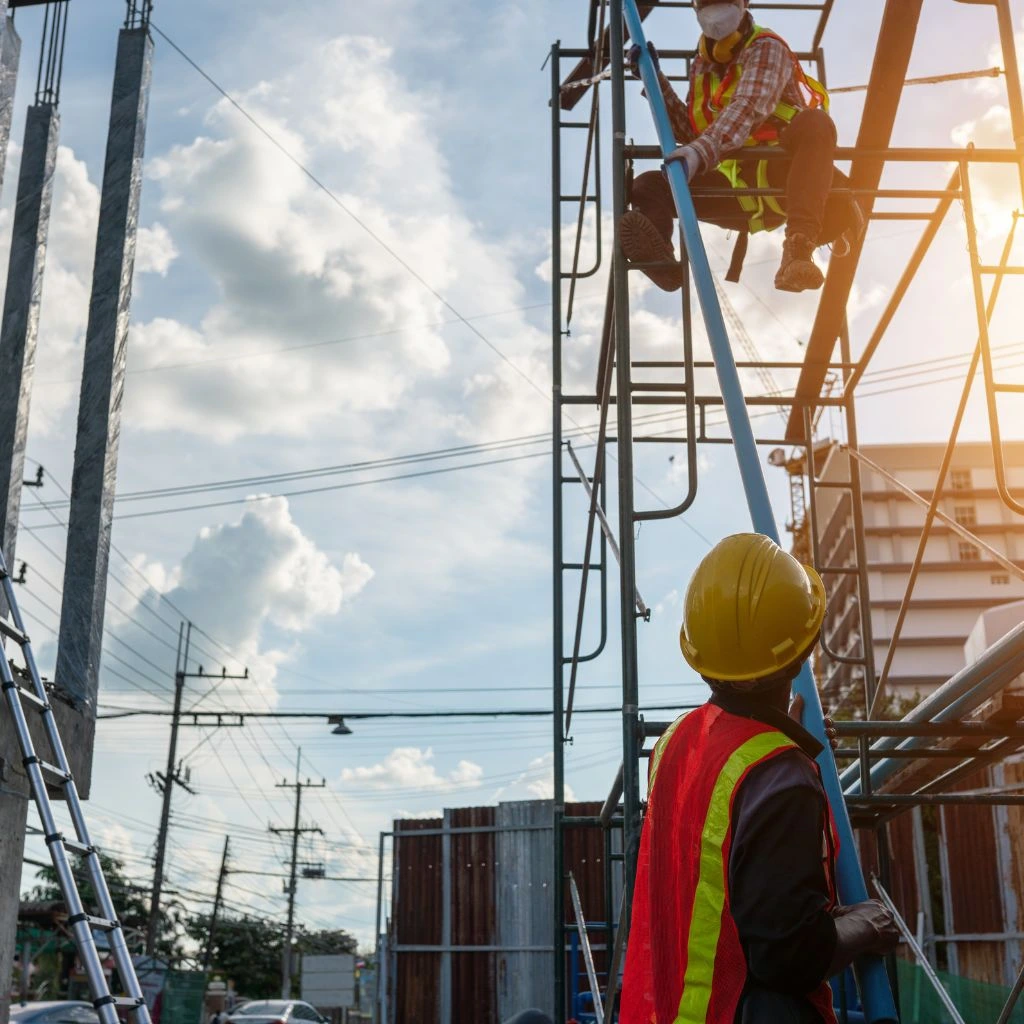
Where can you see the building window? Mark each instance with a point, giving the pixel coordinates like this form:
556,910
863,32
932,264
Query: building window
968,552
960,479
1000,580
965,515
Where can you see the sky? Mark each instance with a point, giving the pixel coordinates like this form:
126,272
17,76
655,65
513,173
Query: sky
281,328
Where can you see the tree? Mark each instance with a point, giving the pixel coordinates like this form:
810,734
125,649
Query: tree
131,902
249,950
325,941
246,950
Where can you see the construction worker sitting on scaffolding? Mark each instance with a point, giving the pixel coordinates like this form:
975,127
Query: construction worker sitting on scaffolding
735,918
747,88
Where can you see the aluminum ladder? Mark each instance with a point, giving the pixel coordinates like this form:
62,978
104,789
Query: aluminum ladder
35,699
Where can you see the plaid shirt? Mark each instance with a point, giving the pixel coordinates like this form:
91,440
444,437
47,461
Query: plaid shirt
768,77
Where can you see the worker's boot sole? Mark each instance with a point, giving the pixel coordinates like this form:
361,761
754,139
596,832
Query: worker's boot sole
642,243
799,276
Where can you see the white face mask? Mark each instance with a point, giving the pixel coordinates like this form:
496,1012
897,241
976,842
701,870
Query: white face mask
720,20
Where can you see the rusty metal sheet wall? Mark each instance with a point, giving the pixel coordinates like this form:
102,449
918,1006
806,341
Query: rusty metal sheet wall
525,869
500,885
974,884
416,920
473,916
584,857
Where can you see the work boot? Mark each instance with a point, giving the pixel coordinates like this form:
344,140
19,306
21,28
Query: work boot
643,243
798,271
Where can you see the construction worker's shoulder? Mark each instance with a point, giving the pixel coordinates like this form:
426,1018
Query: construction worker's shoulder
790,769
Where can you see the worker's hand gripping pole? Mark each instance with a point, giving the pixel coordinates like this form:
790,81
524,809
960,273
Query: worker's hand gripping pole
876,993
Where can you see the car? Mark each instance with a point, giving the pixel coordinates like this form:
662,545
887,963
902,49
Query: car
276,1011
62,1012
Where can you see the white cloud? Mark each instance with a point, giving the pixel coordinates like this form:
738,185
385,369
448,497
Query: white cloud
413,767
995,189
244,580
536,782
155,250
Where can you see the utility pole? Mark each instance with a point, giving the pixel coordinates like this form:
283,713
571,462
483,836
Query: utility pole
174,775
295,831
207,952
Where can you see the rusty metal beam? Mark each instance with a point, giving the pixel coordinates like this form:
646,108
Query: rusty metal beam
885,88
586,68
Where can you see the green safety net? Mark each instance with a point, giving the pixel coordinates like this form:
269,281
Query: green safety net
183,995
978,1002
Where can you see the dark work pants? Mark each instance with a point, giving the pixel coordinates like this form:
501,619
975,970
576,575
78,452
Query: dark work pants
530,1017
807,177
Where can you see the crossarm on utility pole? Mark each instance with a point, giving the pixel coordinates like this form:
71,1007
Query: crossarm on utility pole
875,990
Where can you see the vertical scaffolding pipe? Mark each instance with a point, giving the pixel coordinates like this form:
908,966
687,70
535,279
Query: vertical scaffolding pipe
859,533
10,56
99,410
446,919
557,598
624,416
19,328
876,992
1015,101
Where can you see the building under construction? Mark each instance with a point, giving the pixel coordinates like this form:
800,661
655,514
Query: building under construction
492,909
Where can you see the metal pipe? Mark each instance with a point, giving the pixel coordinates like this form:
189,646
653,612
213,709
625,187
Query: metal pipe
925,155
958,528
558,608
588,955
627,577
1008,46
908,938
641,608
909,273
611,803
877,994
947,458
596,509
1002,662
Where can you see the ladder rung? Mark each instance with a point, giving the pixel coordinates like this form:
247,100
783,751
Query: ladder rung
48,769
127,1001
15,634
1015,271
839,570
76,847
576,199
29,696
659,386
1011,389
103,924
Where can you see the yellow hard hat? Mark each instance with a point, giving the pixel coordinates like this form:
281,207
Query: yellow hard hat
751,611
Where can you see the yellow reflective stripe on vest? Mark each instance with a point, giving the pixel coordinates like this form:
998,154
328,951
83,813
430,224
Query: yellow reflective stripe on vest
709,900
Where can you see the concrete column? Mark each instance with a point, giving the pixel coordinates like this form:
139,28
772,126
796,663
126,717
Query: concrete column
10,55
18,333
99,410
19,327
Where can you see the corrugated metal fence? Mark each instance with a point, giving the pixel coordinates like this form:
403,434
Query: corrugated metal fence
470,934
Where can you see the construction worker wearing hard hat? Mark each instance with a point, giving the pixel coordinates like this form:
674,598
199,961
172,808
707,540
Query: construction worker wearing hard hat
735,917
747,88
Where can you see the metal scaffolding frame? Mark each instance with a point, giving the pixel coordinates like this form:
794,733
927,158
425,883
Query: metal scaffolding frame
873,744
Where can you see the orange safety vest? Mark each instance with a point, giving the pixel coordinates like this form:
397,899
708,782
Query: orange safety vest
684,960
712,92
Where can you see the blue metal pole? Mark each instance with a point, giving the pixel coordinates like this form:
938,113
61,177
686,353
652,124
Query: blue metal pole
876,992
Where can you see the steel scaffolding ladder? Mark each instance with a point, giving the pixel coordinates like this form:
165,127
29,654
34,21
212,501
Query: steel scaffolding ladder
29,696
